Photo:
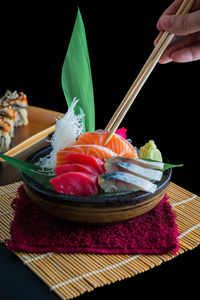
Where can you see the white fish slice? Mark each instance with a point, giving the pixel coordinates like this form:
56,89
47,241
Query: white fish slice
137,161
135,170
121,181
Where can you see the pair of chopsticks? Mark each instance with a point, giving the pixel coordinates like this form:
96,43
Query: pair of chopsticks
143,75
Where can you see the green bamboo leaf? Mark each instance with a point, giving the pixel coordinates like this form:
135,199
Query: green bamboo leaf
166,165
169,166
76,75
39,174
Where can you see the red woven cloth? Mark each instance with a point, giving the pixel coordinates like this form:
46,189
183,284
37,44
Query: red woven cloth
33,230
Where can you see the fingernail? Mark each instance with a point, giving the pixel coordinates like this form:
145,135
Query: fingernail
167,22
165,60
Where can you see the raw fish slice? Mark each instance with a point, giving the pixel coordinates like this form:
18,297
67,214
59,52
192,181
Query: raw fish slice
97,151
120,181
137,161
135,170
75,168
117,143
75,183
76,158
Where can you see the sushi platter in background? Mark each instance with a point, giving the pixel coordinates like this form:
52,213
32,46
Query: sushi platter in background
20,121
13,113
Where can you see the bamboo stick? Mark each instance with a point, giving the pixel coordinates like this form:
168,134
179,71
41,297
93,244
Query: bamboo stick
99,278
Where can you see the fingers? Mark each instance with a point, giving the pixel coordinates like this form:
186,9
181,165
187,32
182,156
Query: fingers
173,8
187,54
185,50
188,48
180,25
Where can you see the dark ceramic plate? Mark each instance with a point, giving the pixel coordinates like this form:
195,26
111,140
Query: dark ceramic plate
95,209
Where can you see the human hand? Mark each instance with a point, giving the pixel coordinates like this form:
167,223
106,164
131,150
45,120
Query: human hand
188,47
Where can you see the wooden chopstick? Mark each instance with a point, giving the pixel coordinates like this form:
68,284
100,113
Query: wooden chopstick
143,75
30,141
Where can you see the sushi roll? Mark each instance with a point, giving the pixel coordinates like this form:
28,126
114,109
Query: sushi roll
5,137
8,114
17,101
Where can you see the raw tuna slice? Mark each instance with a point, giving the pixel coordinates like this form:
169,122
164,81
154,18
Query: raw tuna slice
77,158
75,168
75,183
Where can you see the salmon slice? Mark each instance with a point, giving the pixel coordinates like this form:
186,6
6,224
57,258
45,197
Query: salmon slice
117,143
93,150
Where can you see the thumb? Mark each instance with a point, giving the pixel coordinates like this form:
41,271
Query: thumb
180,25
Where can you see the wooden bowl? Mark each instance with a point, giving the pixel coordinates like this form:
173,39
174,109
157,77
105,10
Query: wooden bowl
95,209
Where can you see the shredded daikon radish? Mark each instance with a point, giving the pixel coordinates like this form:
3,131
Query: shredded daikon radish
68,129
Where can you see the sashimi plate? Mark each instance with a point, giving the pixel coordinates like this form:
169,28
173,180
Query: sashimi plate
101,208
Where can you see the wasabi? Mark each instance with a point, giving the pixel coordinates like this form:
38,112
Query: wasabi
150,151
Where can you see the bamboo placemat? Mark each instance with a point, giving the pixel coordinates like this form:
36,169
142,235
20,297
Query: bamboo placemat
70,275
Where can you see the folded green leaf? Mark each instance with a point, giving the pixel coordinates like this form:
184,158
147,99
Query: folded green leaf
166,165
76,75
39,174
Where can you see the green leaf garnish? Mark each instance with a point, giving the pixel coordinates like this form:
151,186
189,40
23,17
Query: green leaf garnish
76,75
169,166
166,165
39,174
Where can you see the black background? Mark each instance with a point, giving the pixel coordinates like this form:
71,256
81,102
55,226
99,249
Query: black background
120,35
